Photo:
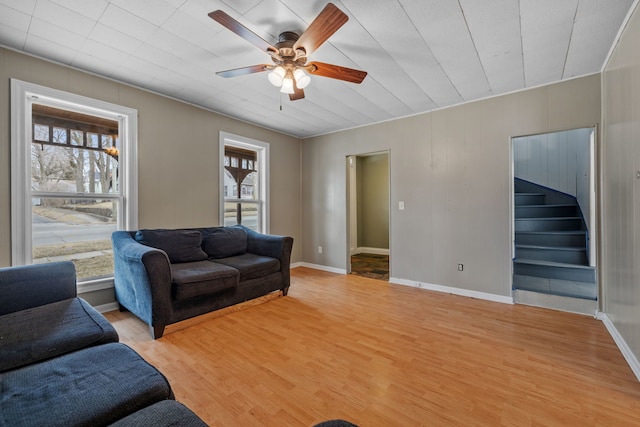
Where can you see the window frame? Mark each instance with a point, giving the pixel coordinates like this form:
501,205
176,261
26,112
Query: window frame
23,95
262,150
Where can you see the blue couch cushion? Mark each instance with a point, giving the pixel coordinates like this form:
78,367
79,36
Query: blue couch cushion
252,266
180,245
28,286
95,386
201,278
165,413
224,242
39,333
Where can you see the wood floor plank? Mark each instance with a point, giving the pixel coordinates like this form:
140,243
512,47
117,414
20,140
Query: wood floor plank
378,354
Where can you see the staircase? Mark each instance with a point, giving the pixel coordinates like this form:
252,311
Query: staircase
550,245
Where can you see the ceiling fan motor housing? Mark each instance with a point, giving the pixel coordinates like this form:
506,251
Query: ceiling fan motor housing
297,57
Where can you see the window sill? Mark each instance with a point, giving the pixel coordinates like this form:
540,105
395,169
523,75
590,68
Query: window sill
95,285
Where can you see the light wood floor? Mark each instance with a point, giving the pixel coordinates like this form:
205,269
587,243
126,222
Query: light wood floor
378,354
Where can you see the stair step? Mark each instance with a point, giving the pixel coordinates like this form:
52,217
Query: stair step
548,224
567,288
554,270
545,211
529,199
567,255
552,238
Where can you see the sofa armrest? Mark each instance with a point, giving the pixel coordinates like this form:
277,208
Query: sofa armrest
142,279
29,286
272,246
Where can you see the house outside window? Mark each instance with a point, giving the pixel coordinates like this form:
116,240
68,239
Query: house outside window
247,174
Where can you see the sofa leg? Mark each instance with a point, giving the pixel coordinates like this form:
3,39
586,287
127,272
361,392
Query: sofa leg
156,331
285,291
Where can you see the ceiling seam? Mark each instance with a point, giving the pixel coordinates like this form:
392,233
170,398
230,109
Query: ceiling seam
475,48
524,71
383,49
566,55
429,49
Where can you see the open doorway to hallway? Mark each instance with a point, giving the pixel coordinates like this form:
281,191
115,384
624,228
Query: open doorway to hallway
368,206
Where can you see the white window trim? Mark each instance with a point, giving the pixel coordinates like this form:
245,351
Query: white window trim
262,148
22,96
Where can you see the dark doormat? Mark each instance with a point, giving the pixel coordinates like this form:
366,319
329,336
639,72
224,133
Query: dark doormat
370,265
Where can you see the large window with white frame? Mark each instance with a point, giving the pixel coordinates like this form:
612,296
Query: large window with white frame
73,179
244,182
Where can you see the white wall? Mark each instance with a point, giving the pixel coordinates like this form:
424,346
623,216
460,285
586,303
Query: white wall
452,169
620,260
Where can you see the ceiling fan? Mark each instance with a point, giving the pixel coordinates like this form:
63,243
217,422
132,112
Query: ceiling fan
289,69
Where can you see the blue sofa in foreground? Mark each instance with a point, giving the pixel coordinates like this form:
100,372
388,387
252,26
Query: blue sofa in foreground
164,276
61,363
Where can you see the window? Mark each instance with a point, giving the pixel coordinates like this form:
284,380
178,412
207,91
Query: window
244,170
73,179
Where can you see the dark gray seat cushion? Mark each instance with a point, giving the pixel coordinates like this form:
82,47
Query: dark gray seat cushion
91,387
179,245
167,413
201,278
39,333
252,266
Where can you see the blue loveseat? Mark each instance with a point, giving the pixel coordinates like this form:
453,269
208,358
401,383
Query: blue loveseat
164,276
61,363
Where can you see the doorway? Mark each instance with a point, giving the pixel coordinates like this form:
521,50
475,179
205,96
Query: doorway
368,215
554,218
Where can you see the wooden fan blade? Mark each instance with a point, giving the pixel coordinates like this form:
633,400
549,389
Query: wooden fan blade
227,21
336,72
297,93
243,71
326,23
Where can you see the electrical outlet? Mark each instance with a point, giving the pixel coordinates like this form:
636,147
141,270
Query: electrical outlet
319,249
460,267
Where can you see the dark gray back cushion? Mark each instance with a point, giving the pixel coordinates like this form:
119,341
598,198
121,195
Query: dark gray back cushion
180,245
224,242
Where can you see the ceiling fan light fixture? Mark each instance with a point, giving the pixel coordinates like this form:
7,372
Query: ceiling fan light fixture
276,76
302,78
287,85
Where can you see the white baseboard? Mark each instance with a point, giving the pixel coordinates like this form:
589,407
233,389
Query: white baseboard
375,251
104,308
631,359
452,290
322,267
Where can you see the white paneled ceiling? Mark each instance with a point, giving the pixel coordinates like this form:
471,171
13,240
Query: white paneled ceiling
420,54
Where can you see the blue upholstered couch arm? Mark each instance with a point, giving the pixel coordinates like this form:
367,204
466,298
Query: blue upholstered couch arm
272,246
34,285
142,278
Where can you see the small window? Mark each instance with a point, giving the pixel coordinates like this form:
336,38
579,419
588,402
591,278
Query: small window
248,202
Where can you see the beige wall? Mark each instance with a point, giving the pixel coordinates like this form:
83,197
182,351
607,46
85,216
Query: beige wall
373,201
452,169
177,152
621,187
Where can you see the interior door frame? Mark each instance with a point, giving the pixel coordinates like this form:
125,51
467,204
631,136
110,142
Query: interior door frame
594,201
351,197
